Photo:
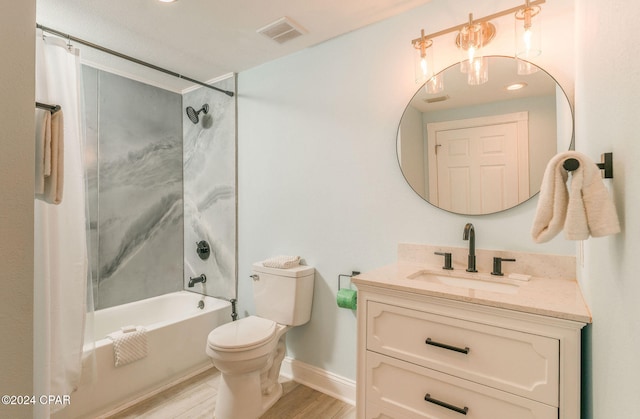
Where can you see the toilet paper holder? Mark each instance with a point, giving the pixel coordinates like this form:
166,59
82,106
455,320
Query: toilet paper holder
353,273
347,298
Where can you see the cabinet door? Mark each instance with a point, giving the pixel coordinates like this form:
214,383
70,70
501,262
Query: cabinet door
399,389
509,360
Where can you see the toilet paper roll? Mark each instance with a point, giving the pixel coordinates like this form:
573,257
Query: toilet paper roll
347,298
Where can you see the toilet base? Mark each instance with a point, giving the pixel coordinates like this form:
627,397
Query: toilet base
249,395
240,397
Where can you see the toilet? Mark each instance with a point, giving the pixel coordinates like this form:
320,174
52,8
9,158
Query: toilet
248,352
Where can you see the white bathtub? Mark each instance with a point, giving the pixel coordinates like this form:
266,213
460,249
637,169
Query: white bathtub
177,334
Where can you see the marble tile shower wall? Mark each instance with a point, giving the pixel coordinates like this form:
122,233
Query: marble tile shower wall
134,146
210,189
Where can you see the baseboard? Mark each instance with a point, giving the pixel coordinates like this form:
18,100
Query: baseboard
326,382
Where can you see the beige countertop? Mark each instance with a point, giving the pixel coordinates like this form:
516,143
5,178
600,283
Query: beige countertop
555,297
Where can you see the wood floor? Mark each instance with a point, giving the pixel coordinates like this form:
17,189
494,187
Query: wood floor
196,398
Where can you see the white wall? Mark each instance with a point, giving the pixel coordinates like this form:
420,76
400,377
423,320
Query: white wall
318,173
17,92
607,103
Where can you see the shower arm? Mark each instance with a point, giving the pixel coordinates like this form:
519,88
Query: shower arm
129,58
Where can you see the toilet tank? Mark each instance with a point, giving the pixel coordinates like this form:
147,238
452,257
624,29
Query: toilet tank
283,295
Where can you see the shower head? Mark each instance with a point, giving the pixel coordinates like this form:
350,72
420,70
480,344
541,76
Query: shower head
193,114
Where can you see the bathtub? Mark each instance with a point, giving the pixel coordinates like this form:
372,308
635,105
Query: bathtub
177,334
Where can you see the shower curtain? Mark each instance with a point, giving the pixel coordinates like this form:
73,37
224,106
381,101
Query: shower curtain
62,298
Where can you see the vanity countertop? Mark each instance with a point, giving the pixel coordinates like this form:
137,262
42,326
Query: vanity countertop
555,297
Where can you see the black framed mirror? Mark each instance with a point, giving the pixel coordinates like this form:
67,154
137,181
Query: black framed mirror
482,149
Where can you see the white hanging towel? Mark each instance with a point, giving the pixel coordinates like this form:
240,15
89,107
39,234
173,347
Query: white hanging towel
129,344
282,262
582,210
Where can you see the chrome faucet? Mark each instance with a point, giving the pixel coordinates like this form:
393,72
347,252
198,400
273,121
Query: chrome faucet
470,234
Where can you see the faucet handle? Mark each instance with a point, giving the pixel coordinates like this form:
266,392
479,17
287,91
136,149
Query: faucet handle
447,260
497,265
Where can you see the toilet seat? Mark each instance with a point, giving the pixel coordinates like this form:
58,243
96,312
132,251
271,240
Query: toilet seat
242,335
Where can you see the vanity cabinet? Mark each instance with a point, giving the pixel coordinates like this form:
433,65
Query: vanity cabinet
421,356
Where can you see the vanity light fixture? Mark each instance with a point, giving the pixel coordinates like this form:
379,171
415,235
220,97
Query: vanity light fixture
474,35
528,31
525,67
423,58
435,84
471,38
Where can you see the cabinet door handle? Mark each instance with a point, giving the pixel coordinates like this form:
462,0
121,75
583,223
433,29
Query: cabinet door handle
462,410
445,346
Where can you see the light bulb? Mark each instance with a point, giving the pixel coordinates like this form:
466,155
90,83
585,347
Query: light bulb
424,67
471,52
526,37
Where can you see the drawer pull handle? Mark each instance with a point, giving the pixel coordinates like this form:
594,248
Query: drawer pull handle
445,346
463,410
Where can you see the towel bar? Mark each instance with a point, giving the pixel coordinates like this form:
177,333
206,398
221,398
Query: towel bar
606,165
51,108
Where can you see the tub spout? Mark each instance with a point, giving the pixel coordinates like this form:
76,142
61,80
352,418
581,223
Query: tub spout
192,281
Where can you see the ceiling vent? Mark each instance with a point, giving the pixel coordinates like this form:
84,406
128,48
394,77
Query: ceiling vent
437,99
282,30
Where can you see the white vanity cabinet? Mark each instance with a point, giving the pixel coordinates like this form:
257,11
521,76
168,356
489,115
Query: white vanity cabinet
422,356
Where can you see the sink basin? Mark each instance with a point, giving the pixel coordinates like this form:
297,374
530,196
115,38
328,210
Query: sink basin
471,282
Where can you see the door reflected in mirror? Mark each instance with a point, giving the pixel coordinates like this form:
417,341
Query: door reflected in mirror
482,149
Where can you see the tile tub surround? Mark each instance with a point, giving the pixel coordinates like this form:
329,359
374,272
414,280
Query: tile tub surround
210,189
552,290
134,136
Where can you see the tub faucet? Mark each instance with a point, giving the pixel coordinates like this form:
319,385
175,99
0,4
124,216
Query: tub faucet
470,234
192,281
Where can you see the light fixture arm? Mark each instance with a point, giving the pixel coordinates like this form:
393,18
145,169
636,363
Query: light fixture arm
422,43
482,19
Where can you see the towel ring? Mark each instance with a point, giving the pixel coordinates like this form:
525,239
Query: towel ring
572,164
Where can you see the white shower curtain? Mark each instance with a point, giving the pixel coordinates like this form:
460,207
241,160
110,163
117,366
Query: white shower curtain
63,295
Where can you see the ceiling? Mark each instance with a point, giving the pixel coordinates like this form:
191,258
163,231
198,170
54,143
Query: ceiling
204,39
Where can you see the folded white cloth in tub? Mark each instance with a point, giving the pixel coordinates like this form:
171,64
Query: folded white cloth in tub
129,344
282,262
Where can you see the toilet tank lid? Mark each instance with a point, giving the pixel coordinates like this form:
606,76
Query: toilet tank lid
296,271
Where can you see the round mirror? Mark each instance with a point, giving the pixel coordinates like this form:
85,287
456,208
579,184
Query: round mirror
481,149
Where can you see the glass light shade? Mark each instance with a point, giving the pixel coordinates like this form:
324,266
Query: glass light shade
525,68
435,84
478,71
470,41
528,32
423,61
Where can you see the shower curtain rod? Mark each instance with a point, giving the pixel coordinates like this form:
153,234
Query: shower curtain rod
128,58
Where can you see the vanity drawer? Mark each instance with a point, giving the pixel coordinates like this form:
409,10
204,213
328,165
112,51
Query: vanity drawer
509,360
397,389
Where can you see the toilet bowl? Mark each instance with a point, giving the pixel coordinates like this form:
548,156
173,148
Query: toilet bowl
249,352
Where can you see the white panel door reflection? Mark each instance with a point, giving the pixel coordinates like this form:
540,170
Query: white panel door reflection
478,169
